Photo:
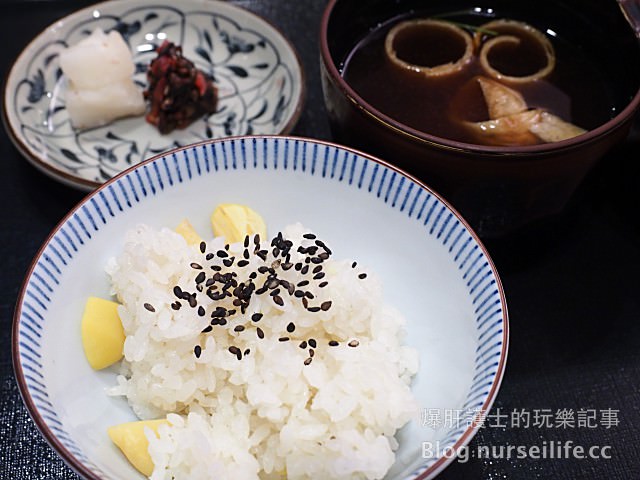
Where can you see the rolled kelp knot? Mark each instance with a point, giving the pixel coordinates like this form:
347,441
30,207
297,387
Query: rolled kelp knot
500,55
447,48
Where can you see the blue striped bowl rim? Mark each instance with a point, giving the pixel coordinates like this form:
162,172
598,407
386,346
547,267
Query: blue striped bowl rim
389,184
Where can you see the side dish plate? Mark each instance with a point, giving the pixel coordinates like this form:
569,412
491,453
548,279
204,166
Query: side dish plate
256,70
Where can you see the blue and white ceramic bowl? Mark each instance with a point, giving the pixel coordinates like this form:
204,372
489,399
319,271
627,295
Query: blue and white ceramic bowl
434,270
256,70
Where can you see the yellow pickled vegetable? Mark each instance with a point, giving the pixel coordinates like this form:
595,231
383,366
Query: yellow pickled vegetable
234,222
130,438
102,333
188,232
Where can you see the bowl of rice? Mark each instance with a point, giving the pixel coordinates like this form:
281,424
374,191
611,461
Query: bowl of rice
324,347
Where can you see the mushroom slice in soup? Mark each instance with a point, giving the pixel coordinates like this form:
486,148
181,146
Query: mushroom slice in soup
525,128
501,100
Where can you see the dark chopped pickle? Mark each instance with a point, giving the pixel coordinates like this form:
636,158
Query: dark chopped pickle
178,93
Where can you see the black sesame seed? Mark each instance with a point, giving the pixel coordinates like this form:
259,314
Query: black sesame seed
222,254
291,327
247,352
354,343
231,312
222,321
303,283
275,292
273,283
197,350
275,252
362,276
245,254
313,309
298,293
333,343
252,275
354,264
256,239
262,254
285,284
259,332
324,306
297,266
216,268
303,345
307,260
219,312
201,311
317,269
209,282
316,260
312,352
237,302
228,261
246,241
323,284
286,266
238,328
177,291
323,256
149,307
309,236
256,317
207,329
209,256
283,339
278,300
192,301
200,277
305,302
234,350
309,295
176,305
261,290
312,343
196,266
320,243
308,361
318,276
203,247
304,269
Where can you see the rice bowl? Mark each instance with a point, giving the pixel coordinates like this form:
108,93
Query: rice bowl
434,271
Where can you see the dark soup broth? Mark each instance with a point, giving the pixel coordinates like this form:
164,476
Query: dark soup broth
575,90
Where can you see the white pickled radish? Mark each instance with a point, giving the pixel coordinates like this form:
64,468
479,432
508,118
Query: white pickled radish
100,87
97,60
92,107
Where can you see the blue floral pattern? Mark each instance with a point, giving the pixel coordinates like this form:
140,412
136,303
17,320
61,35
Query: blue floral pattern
257,75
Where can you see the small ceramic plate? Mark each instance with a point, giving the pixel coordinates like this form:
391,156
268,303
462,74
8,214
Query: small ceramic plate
256,70
433,268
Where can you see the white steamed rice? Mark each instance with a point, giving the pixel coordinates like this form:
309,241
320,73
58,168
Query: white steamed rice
268,414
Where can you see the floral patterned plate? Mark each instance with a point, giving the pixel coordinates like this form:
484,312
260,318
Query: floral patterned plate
256,70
